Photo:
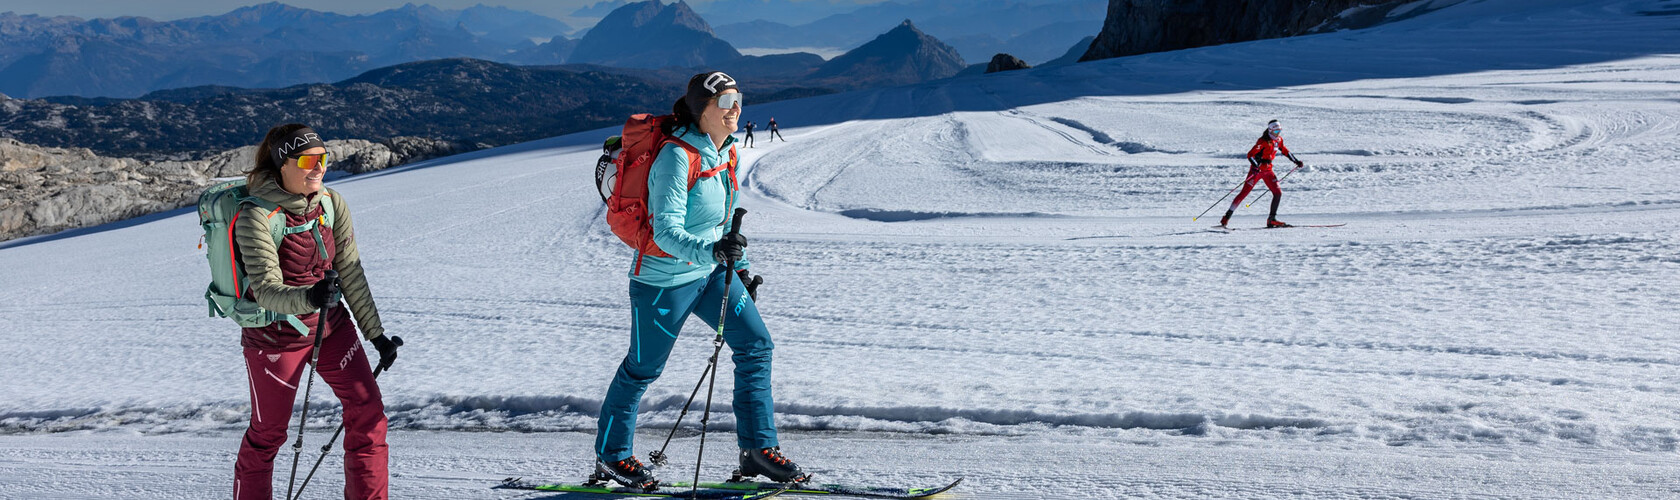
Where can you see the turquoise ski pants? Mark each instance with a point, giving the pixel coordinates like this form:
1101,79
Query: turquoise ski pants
657,315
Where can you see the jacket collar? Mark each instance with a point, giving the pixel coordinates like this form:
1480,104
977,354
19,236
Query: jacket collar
269,189
703,143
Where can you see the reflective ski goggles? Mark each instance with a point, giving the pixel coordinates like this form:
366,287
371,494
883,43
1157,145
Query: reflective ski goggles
726,101
1276,131
312,162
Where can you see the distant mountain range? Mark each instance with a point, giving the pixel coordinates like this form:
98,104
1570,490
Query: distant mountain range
901,56
465,100
267,45
652,35
274,45
1036,30
642,55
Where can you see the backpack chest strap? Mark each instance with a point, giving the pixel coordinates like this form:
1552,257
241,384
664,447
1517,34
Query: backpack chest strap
313,227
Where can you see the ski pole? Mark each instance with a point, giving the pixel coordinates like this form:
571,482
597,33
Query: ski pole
326,448
314,356
1268,191
1221,199
658,457
717,346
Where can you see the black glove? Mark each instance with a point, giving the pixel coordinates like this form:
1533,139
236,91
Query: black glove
729,248
751,282
1299,164
387,346
323,293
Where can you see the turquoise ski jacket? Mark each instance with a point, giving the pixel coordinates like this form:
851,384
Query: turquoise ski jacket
686,222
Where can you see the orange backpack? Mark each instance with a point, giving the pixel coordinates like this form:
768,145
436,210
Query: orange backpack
621,176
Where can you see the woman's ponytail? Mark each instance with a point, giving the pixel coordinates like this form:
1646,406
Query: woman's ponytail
683,116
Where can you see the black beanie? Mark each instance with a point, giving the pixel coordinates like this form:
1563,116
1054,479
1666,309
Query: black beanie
703,87
301,139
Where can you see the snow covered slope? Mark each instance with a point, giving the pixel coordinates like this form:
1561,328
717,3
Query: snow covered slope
998,277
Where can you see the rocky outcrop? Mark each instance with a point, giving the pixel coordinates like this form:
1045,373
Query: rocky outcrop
46,190
1005,62
901,56
1144,26
356,156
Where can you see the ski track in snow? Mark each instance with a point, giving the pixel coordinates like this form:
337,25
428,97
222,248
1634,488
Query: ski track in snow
999,278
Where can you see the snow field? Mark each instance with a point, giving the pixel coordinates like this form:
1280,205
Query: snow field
998,278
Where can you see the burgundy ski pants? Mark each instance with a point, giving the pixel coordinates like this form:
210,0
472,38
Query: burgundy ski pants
274,377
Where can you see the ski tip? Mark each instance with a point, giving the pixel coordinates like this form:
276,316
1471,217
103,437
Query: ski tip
934,492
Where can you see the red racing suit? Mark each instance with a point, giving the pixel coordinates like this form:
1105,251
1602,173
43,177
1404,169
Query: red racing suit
1260,169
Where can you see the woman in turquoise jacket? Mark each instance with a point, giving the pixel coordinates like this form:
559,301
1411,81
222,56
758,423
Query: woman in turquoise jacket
689,224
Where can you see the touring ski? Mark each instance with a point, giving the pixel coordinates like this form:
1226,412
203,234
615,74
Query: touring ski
674,490
1229,229
730,490
835,489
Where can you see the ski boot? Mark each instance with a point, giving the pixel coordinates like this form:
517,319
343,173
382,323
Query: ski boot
628,472
1226,218
770,463
1271,223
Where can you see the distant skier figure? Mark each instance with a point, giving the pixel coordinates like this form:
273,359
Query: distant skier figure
774,132
290,278
1260,169
749,138
691,191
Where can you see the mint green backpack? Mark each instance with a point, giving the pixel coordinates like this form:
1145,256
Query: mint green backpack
218,208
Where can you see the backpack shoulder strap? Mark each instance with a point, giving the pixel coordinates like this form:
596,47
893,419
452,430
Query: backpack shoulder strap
694,166
267,209
329,204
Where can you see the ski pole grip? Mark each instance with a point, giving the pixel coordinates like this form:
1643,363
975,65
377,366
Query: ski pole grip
332,276
735,226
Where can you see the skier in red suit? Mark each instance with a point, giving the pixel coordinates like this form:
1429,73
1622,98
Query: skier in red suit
1260,169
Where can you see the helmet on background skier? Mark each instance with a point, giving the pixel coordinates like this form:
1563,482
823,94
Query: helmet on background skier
1273,128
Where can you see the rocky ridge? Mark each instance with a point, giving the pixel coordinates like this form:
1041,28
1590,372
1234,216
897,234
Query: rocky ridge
1143,26
1006,62
45,190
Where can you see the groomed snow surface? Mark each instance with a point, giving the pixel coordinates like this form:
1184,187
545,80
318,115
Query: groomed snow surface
998,278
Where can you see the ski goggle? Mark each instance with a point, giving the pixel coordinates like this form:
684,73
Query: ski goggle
1275,131
726,101
312,162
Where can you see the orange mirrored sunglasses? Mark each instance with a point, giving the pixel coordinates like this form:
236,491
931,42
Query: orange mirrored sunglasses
312,162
